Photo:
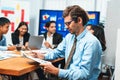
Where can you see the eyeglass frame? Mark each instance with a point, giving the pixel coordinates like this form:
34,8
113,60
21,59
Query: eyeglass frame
68,23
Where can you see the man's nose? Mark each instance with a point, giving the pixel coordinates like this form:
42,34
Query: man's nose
67,27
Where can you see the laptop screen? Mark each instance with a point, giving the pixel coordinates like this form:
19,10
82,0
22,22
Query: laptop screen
36,41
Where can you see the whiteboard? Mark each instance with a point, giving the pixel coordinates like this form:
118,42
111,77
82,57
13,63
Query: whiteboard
16,11
117,59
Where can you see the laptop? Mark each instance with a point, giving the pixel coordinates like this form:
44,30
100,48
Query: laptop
36,41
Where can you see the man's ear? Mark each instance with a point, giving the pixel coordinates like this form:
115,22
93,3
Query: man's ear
46,28
79,20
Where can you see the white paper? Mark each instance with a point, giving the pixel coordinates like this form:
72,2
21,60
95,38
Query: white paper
26,54
7,54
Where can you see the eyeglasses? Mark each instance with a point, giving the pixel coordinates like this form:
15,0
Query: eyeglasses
68,23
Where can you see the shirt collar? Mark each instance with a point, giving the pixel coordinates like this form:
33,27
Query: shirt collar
81,35
50,35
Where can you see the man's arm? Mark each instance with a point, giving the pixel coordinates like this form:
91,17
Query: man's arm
86,67
57,52
3,46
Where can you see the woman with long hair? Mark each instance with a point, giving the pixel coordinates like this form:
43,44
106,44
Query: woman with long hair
21,35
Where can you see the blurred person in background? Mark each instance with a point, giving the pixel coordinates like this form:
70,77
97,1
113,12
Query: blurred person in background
4,27
52,38
21,35
98,31
50,42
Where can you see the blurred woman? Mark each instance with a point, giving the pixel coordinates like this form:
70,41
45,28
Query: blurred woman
98,31
21,35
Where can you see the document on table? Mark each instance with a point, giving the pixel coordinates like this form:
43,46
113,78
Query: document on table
7,54
27,54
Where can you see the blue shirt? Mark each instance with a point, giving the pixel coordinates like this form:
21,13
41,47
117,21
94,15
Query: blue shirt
86,60
3,43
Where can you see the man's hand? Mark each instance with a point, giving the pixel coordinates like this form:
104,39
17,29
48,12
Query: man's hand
37,55
47,45
49,68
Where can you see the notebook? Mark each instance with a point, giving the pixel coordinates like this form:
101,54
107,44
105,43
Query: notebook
36,41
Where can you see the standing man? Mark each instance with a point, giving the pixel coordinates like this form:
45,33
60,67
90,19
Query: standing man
86,54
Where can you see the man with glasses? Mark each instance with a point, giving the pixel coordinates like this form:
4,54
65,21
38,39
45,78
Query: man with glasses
81,44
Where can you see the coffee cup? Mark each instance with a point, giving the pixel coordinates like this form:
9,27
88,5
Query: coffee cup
18,47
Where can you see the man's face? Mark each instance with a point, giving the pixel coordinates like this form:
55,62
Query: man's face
4,29
71,25
52,28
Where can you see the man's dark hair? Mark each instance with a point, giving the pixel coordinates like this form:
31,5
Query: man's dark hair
76,11
48,23
3,21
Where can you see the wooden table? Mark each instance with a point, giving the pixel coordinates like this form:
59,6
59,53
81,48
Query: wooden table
18,66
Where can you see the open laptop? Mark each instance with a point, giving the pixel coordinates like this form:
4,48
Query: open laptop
36,41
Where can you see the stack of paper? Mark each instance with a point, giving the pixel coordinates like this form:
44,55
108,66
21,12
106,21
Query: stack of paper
26,54
7,54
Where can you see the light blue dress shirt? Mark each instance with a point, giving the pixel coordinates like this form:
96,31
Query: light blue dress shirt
3,43
86,59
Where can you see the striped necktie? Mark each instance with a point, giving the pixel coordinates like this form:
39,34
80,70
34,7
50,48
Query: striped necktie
71,53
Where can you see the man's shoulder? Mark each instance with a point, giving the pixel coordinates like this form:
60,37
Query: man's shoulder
44,34
90,37
3,38
57,34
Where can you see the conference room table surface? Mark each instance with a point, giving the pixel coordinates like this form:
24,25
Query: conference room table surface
18,66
